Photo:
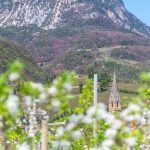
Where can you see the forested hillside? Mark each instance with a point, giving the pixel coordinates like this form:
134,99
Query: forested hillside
9,51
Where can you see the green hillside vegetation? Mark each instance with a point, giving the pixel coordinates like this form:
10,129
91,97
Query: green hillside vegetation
10,51
128,65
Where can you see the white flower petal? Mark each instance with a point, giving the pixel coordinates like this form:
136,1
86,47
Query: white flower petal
131,141
53,91
14,76
76,134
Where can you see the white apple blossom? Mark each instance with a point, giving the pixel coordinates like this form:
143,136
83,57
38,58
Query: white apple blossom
127,129
124,113
148,137
142,146
24,121
138,117
53,91
55,145
143,120
110,118
60,132
87,120
94,148
116,124
19,122
91,111
80,117
146,112
56,104
8,142
110,133
101,106
107,143
129,118
100,114
76,118
131,141
38,86
23,146
31,133
12,103
76,134
36,100
64,144
133,107
68,86
70,126
43,97
14,76
28,100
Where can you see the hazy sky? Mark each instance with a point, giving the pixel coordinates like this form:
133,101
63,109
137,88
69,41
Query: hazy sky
140,8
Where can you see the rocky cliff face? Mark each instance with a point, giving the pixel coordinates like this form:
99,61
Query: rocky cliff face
50,14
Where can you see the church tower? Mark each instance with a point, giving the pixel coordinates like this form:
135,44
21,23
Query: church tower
114,100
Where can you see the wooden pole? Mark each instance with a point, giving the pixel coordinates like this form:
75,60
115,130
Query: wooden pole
95,104
44,139
57,124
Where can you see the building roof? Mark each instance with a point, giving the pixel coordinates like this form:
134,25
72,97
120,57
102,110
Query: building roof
114,97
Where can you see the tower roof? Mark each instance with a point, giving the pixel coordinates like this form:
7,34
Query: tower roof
114,97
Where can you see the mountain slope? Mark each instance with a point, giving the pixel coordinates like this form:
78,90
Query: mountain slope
73,35
59,13
9,51
128,61
79,48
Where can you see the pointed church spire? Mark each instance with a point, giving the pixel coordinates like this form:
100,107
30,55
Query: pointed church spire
114,100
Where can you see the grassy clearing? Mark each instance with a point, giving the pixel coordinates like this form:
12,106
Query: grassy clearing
125,96
129,90
109,49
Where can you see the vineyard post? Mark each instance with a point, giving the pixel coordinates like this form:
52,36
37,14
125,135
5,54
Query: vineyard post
95,104
44,139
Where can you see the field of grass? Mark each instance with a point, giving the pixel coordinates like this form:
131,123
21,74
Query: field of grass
126,91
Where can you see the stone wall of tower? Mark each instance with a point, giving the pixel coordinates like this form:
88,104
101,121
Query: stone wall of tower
114,106
114,100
